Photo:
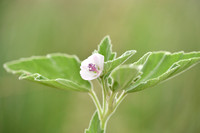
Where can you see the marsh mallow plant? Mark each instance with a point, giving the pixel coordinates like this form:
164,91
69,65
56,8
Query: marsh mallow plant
117,80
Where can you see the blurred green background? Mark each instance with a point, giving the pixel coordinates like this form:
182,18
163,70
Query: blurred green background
39,27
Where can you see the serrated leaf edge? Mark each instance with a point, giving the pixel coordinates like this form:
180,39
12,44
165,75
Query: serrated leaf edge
109,40
36,75
169,70
96,112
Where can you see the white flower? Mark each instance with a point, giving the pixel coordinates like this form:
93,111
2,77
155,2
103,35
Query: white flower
92,67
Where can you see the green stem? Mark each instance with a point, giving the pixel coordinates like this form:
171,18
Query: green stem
109,111
120,99
112,106
104,92
96,102
110,102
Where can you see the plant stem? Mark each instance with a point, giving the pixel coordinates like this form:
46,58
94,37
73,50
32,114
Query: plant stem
96,102
120,99
110,102
112,105
109,111
104,93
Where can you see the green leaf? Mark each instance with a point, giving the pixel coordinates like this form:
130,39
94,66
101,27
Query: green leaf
123,76
56,70
95,125
109,66
160,66
105,49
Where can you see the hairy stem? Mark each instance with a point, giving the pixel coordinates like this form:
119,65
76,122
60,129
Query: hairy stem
96,102
109,111
104,93
110,102
120,99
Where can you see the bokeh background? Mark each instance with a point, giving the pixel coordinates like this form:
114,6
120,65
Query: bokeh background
39,27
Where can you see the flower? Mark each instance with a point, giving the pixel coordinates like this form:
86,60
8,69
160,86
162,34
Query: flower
92,67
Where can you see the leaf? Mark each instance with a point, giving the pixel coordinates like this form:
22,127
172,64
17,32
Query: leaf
56,70
105,49
123,76
160,66
95,125
109,66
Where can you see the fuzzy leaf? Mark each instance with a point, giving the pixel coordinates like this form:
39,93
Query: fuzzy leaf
109,66
160,66
105,49
95,125
56,70
123,76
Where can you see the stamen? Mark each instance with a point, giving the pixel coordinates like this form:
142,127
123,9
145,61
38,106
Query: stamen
92,68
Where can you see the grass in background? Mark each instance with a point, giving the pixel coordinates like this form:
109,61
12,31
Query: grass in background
75,27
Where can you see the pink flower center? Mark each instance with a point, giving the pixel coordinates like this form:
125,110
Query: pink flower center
92,68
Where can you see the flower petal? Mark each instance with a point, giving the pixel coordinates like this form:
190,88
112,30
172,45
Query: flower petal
96,59
87,75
